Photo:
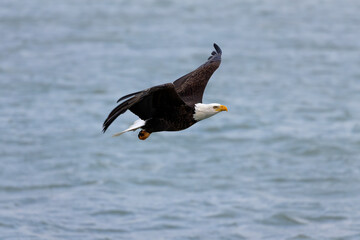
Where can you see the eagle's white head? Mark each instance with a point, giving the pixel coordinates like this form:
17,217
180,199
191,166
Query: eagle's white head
203,111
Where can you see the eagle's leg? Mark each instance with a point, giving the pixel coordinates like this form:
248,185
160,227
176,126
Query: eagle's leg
143,135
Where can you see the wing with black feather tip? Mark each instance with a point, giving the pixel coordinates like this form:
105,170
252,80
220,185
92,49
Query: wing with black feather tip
156,101
191,86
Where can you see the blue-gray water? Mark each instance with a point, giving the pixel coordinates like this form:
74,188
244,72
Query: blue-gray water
283,163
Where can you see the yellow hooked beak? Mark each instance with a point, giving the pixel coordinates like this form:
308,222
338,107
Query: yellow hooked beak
221,108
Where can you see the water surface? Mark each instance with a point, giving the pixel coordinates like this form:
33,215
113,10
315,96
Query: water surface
283,163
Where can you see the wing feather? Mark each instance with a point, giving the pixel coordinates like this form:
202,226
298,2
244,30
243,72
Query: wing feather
191,86
152,102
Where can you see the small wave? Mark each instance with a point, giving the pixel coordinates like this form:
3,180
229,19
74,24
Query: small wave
41,187
283,219
225,214
163,226
301,237
326,218
116,212
33,187
153,182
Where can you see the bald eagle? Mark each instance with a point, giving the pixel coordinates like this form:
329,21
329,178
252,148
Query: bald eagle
170,106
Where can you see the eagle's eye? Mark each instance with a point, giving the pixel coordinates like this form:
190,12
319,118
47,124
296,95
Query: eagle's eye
215,107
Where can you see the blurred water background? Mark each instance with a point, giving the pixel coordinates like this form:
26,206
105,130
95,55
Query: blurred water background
283,163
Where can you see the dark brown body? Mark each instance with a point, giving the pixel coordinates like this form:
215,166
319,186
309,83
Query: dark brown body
177,122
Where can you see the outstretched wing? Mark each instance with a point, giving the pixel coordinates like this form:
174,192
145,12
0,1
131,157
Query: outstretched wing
157,101
191,87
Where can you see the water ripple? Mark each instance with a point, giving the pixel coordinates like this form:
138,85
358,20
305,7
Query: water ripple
283,163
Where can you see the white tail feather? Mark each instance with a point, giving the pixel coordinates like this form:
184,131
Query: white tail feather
136,125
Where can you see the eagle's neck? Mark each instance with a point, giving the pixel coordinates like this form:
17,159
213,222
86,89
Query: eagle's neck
203,111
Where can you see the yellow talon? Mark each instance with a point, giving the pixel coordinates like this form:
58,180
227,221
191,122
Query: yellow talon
143,135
